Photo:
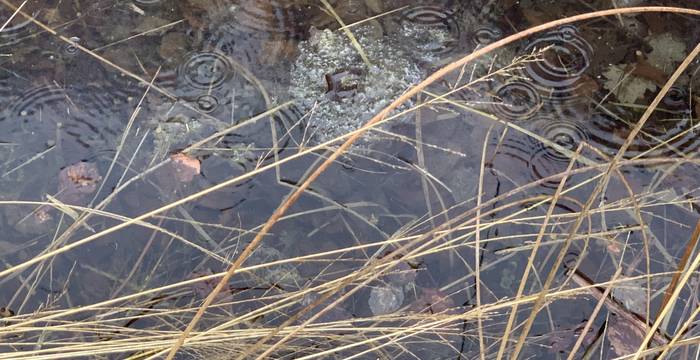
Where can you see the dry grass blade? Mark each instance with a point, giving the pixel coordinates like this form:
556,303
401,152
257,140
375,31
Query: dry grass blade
17,10
601,185
681,68
477,248
347,32
287,203
533,253
500,228
603,299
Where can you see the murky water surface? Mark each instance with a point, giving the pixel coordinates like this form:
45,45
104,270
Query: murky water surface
124,107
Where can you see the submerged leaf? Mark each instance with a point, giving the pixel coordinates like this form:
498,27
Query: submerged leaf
667,51
632,295
561,341
385,299
627,88
185,167
433,301
80,178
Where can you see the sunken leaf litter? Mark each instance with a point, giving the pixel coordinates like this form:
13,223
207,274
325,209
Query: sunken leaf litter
330,80
385,299
626,87
284,274
666,53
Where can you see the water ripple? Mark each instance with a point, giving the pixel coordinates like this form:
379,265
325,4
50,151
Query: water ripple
268,17
665,135
83,118
431,29
516,100
525,158
18,29
677,99
565,133
205,70
558,72
546,160
148,3
486,35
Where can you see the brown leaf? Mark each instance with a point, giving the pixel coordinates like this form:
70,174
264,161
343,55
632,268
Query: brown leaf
80,178
185,167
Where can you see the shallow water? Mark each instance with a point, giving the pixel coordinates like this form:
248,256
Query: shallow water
131,83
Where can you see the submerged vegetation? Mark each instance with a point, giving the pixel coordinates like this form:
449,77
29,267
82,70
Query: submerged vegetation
235,179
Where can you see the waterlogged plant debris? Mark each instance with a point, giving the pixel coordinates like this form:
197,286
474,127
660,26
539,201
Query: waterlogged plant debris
632,295
433,301
624,336
385,299
667,51
285,275
376,259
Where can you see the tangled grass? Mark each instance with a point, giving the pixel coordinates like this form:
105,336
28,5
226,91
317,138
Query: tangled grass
147,322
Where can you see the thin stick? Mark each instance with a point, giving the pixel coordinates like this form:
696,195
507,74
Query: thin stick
666,308
613,306
681,265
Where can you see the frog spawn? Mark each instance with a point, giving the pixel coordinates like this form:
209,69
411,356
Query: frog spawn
432,33
330,77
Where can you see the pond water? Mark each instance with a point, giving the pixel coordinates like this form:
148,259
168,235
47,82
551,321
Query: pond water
114,109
